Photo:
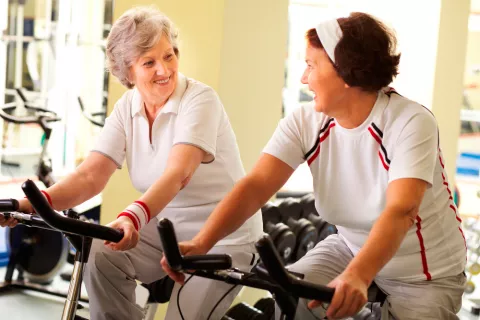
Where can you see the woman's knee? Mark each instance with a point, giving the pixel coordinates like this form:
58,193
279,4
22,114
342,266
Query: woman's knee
104,260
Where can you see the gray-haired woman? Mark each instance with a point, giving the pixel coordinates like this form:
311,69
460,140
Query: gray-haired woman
181,153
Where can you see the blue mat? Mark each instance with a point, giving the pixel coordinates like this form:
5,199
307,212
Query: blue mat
468,164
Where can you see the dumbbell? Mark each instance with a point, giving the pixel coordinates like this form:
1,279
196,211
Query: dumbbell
244,311
283,238
291,212
309,212
267,306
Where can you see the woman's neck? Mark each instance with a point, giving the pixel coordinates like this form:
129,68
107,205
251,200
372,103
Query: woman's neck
358,105
152,109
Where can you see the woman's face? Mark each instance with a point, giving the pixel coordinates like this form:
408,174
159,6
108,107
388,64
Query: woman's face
322,79
155,72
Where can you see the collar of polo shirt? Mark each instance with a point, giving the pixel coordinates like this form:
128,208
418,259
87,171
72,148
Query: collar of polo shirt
173,102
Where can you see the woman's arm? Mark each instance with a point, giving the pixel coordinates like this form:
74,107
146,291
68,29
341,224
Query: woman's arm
182,162
403,200
88,179
248,195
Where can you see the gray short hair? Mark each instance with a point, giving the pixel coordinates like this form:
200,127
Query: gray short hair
137,31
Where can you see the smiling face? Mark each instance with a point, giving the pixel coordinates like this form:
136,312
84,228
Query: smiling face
323,80
155,73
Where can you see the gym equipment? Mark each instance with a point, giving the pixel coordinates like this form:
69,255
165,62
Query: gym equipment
283,238
309,212
245,311
263,309
470,287
27,245
79,234
286,287
267,306
43,118
95,118
218,267
291,213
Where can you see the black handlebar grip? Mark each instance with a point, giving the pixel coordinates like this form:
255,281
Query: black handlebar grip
272,261
195,262
64,224
312,291
7,205
277,271
170,244
207,262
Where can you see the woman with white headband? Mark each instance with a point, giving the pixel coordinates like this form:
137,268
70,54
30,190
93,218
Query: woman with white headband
378,175
182,155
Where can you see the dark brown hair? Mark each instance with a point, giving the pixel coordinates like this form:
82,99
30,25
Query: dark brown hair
365,56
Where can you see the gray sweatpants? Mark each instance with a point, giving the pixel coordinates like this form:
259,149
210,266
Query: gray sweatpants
436,299
110,281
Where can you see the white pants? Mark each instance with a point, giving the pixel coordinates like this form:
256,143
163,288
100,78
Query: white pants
436,299
110,280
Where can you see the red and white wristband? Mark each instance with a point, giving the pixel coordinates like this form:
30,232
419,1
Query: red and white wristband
138,212
47,196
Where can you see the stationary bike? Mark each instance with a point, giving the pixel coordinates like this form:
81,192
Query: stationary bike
79,233
285,286
36,253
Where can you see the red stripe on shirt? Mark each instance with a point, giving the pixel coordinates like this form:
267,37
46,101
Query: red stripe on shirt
383,161
312,158
377,138
422,249
463,236
455,211
441,163
322,138
374,135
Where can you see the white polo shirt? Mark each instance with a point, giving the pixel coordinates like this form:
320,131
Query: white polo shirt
352,168
193,115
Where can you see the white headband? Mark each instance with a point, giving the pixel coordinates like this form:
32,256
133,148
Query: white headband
329,33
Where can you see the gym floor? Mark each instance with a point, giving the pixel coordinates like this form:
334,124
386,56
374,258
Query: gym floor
20,305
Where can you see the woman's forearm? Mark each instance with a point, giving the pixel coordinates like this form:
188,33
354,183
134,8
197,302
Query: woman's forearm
240,204
159,195
73,190
383,242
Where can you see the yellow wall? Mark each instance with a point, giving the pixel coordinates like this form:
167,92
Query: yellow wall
448,81
251,78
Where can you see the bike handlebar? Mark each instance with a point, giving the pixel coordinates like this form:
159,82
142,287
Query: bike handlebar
273,264
195,262
267,252
54,220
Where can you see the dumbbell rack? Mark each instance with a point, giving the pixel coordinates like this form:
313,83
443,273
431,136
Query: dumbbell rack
471,227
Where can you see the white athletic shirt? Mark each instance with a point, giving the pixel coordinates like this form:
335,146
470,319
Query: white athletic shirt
193,115
352,168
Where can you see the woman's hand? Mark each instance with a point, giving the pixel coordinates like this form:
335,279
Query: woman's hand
349,298
130,235
187,248
23,206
